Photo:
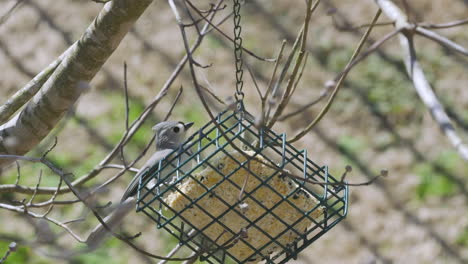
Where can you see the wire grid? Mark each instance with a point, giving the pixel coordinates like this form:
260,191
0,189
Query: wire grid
201,150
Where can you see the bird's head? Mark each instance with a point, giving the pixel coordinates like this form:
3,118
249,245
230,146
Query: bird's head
170,134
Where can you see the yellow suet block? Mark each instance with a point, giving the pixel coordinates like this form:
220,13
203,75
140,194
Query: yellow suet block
273,223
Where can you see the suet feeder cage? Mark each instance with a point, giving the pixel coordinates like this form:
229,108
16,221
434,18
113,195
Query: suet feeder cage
234,193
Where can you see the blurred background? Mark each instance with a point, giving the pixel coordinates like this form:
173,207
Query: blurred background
418,214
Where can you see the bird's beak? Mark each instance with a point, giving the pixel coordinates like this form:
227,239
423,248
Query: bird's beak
188,125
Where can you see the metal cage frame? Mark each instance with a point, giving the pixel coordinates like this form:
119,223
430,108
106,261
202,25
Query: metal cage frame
216,138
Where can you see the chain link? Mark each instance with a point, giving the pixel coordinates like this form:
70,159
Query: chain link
238,51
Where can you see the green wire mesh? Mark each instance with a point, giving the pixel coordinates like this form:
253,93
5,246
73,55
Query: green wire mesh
202,153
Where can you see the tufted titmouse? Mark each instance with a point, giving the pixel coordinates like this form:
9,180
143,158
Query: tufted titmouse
169,136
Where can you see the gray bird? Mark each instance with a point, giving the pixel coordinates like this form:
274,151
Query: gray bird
169,136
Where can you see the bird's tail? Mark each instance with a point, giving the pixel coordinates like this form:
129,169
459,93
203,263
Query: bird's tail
112,221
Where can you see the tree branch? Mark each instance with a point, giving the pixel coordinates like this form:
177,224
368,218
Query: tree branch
27,92
415,72
442,40
338,84
68,82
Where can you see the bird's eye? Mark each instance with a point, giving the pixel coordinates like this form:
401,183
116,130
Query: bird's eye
176,129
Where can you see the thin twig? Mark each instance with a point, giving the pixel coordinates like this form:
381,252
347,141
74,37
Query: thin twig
210,92
301,109
18,172
74,221
52,199
37,186
133,128
124,169
127,106
368,25
127,114
197,43
64,176
15,102
366,53
244,185
444,25
268,92
347,27
383,173
416,73
299,77
273,166
273,74
171,253
442,40
292,79
10,11
338,85
23,210
251,53
275,93
179,93
254,80
118,166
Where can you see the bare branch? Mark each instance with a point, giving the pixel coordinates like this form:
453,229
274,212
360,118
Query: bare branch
127,114
189,53
67,83
251,53
179,93
292,79
383,173
268,92
299,77
275,93
139,121
127,105
444,25
416,73
37,186
172,253
18,173
23,210
7,15
323,95
338,84
212,94
27,92
64,176
442,40
254,80
117,166
346,26
124,140
273,74
428,96
366,53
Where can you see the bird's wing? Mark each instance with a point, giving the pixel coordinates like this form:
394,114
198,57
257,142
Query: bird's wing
133,186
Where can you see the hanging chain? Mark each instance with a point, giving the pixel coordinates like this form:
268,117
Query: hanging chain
238,51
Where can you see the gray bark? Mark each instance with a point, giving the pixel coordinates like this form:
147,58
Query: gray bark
70,79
